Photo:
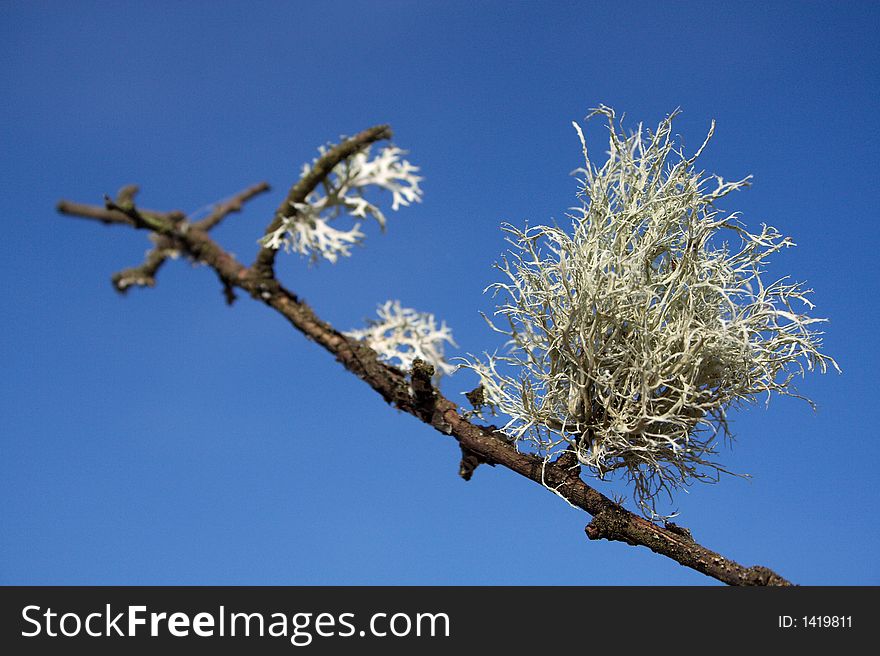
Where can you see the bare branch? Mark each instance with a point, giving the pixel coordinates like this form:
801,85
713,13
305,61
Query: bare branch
234,204
145,274
122,210
102,214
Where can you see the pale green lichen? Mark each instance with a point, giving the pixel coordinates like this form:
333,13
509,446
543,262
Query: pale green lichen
309,229
632,333
400,335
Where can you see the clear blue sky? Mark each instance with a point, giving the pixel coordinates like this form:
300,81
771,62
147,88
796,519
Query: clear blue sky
164,438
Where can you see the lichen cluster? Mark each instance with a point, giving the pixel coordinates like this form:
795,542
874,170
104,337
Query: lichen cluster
633,332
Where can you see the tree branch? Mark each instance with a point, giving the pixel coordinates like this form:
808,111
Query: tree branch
234,204
418,397
102,214
145,274
123,211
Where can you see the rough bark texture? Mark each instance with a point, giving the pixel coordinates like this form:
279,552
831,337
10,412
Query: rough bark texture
411,392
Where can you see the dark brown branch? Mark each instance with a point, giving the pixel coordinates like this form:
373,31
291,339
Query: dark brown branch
418,398
264,265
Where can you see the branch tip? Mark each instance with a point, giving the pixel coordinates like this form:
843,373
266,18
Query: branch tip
125,196
224,208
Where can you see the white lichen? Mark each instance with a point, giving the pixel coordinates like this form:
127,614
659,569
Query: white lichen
401,335
307,229
632,334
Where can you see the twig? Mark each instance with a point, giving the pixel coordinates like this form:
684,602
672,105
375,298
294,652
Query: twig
234,204
145,274
139,218
102,214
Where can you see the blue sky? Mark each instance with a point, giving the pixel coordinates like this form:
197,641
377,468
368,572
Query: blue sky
164,438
